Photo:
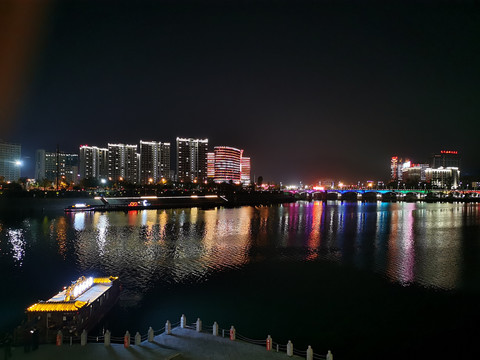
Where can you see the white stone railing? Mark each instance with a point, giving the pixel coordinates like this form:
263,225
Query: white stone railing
215,330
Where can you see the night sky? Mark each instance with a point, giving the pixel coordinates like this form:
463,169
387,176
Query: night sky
310,90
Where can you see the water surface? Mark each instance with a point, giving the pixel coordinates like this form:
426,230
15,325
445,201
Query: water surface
351,277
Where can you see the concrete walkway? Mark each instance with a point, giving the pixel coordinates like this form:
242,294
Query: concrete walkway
182,344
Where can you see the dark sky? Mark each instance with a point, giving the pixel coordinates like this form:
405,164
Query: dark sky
310,90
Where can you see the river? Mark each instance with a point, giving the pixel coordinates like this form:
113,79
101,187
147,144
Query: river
383,280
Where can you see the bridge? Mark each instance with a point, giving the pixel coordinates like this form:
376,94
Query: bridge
388,194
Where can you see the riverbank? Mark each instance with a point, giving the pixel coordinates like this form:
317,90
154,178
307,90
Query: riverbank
34,205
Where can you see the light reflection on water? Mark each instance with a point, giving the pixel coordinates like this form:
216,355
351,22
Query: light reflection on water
405,242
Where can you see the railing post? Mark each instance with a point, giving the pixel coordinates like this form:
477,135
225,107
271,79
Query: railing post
199,325
329,355
138,338
168,327
223,333
183,321
59,341
269,343
289,348
232,333
151,334
83,338
309,353
107,338
126,339
215,329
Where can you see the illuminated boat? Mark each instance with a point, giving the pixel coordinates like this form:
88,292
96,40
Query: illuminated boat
80,207
150,202
77,307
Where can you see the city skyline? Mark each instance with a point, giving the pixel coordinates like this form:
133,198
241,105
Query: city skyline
312,90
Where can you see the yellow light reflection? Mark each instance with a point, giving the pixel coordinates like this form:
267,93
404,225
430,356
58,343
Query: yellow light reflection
62,236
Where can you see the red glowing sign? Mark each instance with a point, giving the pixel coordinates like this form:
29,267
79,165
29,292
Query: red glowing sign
449,152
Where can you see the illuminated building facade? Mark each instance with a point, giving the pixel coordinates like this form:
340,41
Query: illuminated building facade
192,159
445,159
132,161
210,165
89,162
103,163
122,163
443,178
442,172
164,167
154,161
116,162
227,164
394,168
10,165
245,171
414,172
93,162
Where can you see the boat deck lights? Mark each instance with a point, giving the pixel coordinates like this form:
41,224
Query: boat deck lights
78,288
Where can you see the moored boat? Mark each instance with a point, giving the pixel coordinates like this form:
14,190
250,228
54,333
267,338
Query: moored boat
80,207
77,307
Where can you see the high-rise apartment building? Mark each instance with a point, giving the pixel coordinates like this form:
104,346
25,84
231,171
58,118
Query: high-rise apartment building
154,161
227,164
132,163
10,163
122,163
192,159
103,163
93,162
53,166
116,162
89,167
164,168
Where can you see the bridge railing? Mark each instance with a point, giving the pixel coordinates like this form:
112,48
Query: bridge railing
215,330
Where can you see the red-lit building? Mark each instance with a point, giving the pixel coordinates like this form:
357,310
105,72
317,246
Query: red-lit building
227,164
394,168
245,171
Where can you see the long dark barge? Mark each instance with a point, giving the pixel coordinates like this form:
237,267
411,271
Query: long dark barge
149,202
78,307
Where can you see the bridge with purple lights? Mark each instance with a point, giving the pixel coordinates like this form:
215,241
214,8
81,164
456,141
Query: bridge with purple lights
388,194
